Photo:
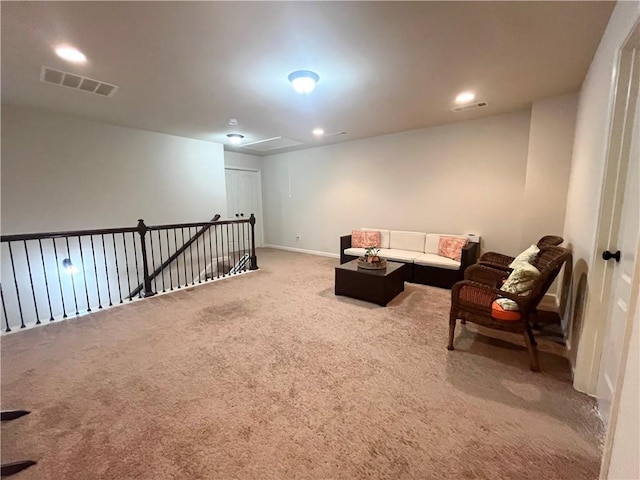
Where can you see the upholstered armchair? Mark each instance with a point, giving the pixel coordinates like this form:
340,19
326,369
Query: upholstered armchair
499,260
474,299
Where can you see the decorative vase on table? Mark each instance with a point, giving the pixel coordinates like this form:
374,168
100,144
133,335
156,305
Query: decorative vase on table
371,260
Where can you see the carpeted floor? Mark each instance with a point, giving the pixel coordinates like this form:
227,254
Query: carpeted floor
270,376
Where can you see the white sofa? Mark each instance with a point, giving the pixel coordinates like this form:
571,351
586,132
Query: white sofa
419,251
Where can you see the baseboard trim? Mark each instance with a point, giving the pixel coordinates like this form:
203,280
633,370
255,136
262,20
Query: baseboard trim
302,250
550,302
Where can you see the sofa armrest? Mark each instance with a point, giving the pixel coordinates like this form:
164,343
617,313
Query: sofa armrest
345,242
470,253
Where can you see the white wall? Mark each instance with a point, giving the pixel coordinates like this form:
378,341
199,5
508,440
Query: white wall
242,160
61,172
548,166
458,178
65,173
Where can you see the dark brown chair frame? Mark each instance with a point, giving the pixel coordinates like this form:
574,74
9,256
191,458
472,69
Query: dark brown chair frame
471,299
499,260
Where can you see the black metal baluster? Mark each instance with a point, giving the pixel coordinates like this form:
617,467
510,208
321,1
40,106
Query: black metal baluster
211,227
198,258
46,282
126,265
193,277
55,253
184,260
4,309
175,244
215,238
234,243
204,253
153,261
161,261
73,284
229,255
244,246
106,270
115,255
168,254
84,274
135,258
226,250
15,279
33,290
95,269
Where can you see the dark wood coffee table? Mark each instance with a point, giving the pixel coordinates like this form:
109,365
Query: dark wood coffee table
375,286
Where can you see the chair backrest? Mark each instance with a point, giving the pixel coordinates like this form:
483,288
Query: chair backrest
549,261
549,240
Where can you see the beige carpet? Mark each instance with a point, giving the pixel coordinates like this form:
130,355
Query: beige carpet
270,376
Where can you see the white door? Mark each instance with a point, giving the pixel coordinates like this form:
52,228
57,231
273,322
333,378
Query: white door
244,197
624,238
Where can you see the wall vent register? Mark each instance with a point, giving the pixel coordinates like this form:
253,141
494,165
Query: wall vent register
470,106
77,82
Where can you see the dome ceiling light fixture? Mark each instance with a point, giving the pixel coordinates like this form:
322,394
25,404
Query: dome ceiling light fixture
303,81
70,54
465,97
235,138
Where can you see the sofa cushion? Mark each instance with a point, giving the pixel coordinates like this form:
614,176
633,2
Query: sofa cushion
393,254
412,241
433,260
356,252
451,247
384,236
433,241
365,238
500,313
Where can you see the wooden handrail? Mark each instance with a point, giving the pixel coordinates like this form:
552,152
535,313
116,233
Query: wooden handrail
179,251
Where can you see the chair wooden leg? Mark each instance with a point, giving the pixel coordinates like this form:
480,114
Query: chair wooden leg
533,351
452,330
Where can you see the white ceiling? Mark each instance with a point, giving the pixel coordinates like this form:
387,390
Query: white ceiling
185,68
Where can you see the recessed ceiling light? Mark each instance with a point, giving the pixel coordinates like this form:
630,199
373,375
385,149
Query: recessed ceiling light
70,54
465,97
233,121
303,81
235,138
318,132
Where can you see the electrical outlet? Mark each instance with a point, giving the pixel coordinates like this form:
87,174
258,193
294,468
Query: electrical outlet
298,236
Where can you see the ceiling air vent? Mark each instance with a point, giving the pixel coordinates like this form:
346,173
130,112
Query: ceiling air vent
471,106
70,80
273,143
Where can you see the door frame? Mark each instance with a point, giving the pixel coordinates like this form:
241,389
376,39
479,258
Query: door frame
259,230
630,48
591,341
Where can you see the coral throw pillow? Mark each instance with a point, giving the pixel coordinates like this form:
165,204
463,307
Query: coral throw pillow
451,247
365,239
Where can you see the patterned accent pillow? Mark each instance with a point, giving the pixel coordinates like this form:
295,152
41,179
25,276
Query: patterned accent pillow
520,281
527,256
365,239
451,247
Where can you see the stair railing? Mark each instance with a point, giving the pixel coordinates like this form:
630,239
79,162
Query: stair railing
53,275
